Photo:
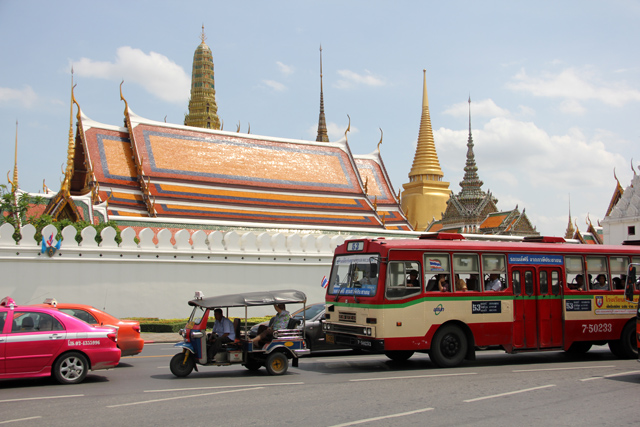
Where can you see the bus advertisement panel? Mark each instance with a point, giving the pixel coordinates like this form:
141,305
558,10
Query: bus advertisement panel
446,296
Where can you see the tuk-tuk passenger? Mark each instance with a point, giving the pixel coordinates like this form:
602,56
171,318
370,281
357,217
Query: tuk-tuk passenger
222,333
280,321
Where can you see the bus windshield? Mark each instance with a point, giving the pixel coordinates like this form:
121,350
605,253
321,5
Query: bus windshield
354,275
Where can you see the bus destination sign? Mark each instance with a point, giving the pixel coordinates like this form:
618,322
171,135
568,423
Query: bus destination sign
537,259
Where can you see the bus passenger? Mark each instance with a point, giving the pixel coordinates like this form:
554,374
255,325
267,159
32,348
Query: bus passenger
443,285
617,283
578,285
601,283
472,282
461,285
413,279
494,283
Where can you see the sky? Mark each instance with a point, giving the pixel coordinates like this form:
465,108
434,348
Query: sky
554,86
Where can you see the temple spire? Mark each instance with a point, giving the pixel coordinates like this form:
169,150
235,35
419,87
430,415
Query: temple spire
471,184
425,195
425,163
203,110
322,123
14,183
570,230
66,184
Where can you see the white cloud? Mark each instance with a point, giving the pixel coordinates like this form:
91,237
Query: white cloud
350,79
277,86
574,84
483,108
25,97
285,69
571,106
156,73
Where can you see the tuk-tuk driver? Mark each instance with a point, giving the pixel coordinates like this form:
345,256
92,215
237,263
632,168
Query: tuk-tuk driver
222,333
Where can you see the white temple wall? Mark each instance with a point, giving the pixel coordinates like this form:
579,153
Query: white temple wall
156,280
616,230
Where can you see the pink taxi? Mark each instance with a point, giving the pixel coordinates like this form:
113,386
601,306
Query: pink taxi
39,342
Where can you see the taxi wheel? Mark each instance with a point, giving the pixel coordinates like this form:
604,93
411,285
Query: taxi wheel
277,364
179,367
70,368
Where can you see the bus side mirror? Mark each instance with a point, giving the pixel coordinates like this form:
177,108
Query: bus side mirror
373,269
630,284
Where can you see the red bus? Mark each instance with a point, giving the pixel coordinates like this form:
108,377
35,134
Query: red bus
631,286
444,295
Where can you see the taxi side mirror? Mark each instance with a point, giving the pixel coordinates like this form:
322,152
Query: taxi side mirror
630,284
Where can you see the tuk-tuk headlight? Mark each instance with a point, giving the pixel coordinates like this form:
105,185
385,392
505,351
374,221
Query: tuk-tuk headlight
181,332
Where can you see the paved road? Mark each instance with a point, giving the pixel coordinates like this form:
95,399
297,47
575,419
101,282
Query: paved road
340,389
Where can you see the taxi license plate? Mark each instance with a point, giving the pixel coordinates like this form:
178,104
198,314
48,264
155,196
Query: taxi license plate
331,339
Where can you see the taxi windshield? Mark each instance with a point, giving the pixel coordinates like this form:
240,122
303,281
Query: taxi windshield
196,315
354,275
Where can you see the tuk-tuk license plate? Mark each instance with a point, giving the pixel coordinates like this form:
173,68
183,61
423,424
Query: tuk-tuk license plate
331,339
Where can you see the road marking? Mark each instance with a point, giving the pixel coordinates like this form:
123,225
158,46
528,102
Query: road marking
216,387
509,393
22,399
563,369
384,417
610,376
414,376
19,419
183,397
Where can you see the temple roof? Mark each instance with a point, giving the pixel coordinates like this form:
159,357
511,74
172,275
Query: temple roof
157,169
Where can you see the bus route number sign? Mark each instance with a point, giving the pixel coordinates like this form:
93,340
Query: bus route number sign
355,246
478,307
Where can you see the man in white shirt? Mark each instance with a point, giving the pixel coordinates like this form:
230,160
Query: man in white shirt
494,283
222,333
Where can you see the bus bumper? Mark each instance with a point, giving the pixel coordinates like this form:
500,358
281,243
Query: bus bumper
356,342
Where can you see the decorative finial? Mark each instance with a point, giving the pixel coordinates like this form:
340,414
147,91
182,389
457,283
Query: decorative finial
634,171
14,184
238,129
202,36
381,135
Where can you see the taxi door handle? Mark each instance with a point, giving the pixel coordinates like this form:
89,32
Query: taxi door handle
55,336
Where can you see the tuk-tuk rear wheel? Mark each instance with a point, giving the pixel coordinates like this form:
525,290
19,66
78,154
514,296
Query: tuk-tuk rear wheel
253,365
181,365
277,364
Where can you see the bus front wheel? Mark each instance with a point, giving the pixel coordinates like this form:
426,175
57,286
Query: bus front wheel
449,347
626,347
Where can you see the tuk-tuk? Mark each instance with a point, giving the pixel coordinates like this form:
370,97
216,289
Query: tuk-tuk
287,343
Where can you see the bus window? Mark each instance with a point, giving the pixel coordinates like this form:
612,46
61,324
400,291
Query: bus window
555,282
515,280
467,268
618,265
575,273
354,275
437,272
403,279
544,284
493,268
528,283
597,273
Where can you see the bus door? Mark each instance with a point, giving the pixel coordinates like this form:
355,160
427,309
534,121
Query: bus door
525,324
549,307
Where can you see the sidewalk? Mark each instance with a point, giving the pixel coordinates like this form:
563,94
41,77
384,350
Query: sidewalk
162,337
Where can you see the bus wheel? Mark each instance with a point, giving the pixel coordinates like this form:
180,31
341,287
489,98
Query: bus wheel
181,367
579,348
399,355
449,347
277,364
626,347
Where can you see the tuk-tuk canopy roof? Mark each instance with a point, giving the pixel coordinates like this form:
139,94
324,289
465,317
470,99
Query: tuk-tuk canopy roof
251,299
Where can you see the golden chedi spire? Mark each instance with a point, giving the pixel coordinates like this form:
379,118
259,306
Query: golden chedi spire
14,183
425,195
71,148
203,110
570,231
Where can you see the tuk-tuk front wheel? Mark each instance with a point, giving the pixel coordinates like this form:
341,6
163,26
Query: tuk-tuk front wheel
277,364
181,364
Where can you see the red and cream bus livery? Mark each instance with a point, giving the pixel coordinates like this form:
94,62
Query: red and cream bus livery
445,296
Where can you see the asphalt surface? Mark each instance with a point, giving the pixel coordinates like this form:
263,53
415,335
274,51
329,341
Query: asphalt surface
160,337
